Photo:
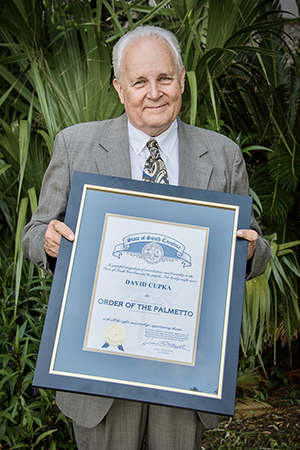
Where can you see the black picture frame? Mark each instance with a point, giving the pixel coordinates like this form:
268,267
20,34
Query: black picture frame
207,385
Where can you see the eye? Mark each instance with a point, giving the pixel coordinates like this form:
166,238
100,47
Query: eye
165,79
139,83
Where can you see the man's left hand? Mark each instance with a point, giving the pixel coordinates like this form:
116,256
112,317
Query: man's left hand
251,236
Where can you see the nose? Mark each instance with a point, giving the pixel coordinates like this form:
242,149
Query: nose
154,92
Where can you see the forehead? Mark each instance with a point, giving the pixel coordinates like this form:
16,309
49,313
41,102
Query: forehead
148,56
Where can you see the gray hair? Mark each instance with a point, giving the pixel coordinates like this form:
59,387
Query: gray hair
140,33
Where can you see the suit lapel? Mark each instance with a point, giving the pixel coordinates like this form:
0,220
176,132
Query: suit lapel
114,156
193,171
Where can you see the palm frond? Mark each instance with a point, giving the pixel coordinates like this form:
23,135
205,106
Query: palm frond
247,408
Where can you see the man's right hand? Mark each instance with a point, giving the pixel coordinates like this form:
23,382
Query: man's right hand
54,232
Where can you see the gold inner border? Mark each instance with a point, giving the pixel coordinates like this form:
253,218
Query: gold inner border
126,192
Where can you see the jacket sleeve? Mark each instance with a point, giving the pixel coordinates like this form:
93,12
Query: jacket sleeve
240,185
52,205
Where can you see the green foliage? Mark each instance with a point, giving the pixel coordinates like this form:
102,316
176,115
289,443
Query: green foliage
267,90
271,308
29,417
260,98
211,46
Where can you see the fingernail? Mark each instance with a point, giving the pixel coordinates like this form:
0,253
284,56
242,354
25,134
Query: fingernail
239,233
71,237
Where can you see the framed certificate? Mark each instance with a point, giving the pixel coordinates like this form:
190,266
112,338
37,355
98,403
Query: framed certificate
146,303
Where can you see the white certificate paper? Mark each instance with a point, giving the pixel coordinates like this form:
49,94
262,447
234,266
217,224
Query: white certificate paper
147,292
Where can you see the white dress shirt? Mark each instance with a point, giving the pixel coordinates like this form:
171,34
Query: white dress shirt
168,146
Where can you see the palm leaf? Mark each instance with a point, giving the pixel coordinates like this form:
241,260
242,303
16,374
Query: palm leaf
18,259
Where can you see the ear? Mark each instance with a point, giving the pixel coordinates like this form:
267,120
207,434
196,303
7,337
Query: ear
119,90
182,76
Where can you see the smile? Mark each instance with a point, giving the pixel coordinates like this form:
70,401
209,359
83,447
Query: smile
154,108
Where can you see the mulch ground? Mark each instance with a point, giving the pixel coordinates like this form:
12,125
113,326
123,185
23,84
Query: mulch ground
274,425
278,431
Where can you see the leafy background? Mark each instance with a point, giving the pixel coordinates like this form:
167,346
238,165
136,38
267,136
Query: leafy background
242,80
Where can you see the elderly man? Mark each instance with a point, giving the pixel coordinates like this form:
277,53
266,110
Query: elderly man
148,142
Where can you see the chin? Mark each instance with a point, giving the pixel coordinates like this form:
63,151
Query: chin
158,123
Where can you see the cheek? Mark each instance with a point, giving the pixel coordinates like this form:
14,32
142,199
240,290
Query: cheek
179,91
134,101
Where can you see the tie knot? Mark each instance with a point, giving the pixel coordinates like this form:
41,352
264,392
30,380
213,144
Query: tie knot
152,145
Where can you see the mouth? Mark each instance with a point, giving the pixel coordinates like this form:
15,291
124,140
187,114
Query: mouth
156,108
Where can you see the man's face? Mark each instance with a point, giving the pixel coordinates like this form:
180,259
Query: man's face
151,85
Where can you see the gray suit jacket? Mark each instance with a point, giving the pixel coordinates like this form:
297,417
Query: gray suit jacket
207,160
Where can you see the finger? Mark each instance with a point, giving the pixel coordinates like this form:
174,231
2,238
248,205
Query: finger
251,249
249,235
53,234
51,246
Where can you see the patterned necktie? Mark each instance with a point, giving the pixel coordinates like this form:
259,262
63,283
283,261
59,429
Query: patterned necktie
155,169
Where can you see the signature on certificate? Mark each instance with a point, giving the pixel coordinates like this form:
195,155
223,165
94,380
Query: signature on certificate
164,343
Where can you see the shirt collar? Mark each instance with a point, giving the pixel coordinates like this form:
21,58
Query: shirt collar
166,140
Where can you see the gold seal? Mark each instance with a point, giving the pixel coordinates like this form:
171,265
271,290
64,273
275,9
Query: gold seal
115,335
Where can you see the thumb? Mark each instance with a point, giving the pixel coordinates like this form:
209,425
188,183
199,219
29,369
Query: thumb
63,230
